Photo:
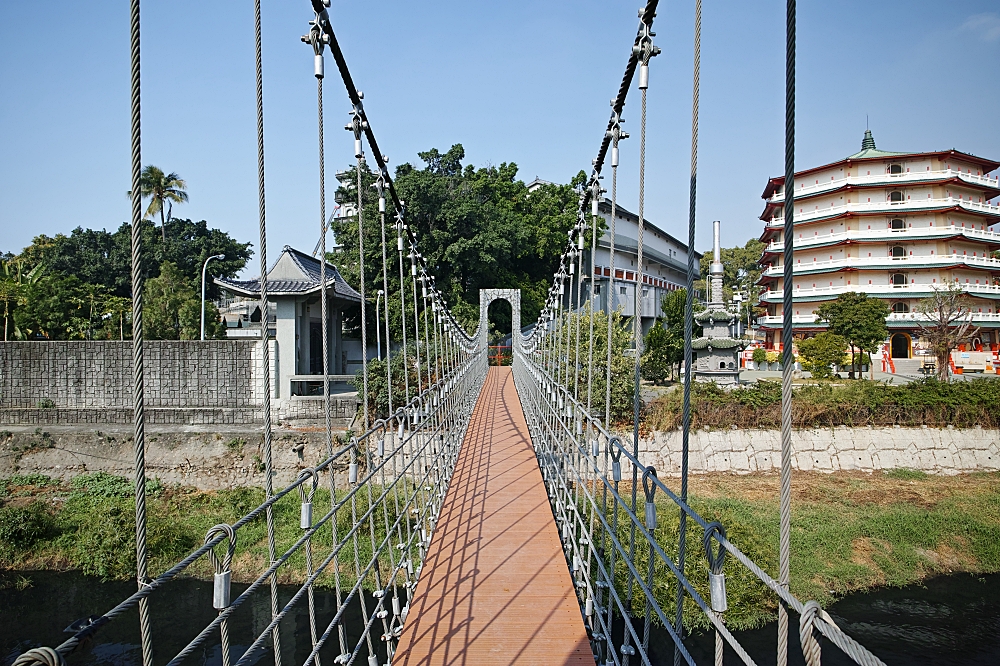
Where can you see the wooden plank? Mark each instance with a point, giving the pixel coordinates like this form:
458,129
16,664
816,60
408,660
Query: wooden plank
495,588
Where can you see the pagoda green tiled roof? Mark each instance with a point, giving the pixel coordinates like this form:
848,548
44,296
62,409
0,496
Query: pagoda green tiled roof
869,151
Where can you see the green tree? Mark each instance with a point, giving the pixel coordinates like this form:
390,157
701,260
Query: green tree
822,351
657,363
859,320
161,190
105,258
54,307
949,315
673,305
477,228
172,308
741,270
116,310
14,280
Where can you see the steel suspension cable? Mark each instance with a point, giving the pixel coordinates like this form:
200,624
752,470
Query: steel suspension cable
416,315
380,187
689,318
402,306
138,386
617,136
316,40
265,318
788,358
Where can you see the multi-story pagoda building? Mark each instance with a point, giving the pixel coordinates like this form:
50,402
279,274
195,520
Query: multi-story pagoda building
893,225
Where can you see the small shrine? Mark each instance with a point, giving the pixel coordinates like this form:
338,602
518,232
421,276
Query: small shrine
715,355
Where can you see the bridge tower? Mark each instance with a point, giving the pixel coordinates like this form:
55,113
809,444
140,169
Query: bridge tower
512,296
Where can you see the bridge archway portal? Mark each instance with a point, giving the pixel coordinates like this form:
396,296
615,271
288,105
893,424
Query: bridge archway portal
488,296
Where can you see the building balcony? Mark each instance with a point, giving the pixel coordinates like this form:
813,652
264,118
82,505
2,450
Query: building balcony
887,235
889,180
889,208
886,291
894,319
885,263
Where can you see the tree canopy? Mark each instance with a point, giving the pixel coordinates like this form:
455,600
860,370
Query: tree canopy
858,319
82,283
477,229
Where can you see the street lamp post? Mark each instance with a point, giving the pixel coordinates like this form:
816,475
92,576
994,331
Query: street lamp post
378,329
203,269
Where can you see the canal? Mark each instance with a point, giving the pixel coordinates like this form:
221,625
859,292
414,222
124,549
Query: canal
948,621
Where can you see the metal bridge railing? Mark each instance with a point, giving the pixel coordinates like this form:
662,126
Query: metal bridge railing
398,474
613,547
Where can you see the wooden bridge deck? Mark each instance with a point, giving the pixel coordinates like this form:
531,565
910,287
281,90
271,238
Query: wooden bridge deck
495,588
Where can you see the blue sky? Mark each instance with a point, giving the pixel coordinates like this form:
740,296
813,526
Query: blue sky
527,82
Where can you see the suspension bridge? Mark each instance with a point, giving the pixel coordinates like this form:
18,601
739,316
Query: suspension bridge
494,517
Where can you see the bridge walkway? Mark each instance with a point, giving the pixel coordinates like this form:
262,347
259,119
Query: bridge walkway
495,588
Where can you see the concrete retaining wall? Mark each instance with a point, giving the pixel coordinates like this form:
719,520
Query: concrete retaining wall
209,460
190,382
938,451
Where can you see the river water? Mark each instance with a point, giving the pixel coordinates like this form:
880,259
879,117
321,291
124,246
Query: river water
948,621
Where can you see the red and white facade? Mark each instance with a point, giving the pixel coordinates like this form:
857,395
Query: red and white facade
893,225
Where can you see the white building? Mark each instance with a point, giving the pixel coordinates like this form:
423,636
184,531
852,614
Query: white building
664,256
892,225
295,323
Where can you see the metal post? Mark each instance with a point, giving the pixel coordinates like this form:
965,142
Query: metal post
378,331
203,269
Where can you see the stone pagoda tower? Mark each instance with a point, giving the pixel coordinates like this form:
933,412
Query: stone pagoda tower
716,354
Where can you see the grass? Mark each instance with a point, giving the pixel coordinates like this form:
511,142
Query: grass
851,532
89,525
857,403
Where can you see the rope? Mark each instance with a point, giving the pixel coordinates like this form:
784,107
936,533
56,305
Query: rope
810,646
316,40
616,129
784,547
138,387
42,656
380,187
265,316
689,322
361,285
402,307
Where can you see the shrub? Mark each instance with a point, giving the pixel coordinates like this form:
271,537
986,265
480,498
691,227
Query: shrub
22,526
760,356
862,403
820,352
104,485
46,403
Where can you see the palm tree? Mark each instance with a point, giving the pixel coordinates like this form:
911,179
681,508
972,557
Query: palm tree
161,189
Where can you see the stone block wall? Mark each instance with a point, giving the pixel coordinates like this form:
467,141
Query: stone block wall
933,450
98,374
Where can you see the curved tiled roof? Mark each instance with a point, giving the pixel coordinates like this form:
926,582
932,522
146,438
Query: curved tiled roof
308,267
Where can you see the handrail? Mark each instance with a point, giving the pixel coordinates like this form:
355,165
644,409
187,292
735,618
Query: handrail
887,207
877,235
889,180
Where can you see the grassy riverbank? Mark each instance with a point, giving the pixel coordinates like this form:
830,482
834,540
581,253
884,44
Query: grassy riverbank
967,404
89,525
851,531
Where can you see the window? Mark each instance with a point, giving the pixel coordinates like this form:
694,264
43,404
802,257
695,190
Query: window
898,252
896,197
897,224
895,168
898,279
900,308
597,290
624,291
